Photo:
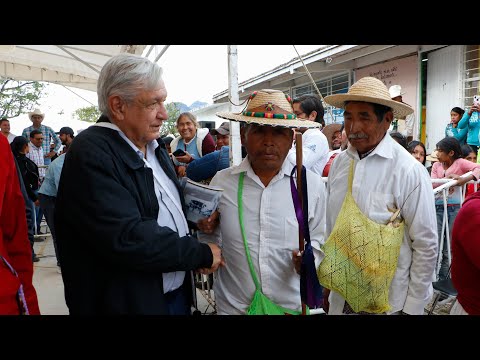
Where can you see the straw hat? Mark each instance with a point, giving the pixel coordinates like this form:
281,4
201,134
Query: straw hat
269,107
36,112
371,90
433,156
329,130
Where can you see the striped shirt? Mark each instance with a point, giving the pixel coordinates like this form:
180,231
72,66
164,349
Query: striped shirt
48,135
36,155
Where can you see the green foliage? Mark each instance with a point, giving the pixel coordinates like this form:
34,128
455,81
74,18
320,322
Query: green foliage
169,126
89,113
18,97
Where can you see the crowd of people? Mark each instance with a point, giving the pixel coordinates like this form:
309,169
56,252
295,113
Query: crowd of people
114,202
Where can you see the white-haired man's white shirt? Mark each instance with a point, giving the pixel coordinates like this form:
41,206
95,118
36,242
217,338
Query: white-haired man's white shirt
385,178
315,151
272,234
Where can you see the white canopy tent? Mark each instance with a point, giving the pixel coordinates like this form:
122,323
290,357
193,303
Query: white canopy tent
69,65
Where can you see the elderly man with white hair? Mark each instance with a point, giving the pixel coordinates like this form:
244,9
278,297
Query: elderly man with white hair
122,235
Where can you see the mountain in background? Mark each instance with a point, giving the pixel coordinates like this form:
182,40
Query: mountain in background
195,106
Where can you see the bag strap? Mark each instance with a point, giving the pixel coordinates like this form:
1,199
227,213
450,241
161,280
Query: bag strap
242,228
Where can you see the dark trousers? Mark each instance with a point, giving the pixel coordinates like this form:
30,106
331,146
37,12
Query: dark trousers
47,204
177,303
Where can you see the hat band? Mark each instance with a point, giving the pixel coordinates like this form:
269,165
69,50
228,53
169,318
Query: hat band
269,115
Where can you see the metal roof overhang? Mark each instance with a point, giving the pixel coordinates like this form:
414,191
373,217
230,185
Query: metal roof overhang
69,65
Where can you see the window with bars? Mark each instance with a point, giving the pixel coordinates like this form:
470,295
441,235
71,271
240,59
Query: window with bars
471,74
336,84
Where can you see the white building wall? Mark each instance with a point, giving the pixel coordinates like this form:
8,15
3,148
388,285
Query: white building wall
444,91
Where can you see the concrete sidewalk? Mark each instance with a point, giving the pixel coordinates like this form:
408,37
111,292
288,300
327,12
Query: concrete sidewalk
47,280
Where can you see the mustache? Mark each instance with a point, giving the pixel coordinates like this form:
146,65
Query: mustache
357,136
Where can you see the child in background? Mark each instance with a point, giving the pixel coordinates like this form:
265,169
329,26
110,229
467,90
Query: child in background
452,128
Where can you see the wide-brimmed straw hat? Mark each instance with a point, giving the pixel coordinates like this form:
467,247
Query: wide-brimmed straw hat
36,112
269,107
329,130
371,90
433,156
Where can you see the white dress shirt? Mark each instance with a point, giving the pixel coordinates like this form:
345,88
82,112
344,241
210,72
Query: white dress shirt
315,151
272,234
10,137
384,178
170,213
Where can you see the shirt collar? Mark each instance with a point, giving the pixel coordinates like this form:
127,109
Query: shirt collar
245,166
383,149
151,146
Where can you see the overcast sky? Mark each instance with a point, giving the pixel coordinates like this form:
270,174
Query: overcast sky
191,73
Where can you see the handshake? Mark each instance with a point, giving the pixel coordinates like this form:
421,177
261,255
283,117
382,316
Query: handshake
218,260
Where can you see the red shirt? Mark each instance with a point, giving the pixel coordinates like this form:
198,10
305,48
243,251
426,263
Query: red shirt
14,244
466,254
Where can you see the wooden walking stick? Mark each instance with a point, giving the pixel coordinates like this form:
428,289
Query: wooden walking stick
299,154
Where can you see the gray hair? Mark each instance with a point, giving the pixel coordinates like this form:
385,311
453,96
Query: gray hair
125,75
188,115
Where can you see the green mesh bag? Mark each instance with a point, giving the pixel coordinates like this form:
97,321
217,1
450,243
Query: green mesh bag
262,305
361,257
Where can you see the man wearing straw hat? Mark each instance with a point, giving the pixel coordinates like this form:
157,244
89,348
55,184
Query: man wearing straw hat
265,209
382,234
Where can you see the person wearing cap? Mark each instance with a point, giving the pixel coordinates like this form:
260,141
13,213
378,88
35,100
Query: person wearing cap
405,125
47,193
66,136
122,234
314,143
268,213
381,250
49,135
222,134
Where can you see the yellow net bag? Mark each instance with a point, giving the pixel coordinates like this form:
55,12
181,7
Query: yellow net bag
361,257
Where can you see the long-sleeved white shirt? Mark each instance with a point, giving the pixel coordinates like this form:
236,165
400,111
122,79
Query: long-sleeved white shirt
384,178
315,151
272,234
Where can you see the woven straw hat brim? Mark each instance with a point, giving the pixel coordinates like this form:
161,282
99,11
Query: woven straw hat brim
329,130
400,110
269,122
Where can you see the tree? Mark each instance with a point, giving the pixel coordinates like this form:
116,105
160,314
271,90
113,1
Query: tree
169,126
18,97
89,113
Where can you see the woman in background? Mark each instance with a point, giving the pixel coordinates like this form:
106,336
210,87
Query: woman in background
194,141
452,128
418,151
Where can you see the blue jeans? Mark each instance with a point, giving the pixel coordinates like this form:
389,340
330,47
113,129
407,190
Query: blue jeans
452,212
207,166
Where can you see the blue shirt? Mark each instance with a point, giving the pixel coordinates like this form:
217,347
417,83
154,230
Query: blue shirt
52,177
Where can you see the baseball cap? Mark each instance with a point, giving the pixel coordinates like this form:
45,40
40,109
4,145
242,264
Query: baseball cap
66,130
223,129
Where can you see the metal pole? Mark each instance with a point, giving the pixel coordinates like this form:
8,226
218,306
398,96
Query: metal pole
235,142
